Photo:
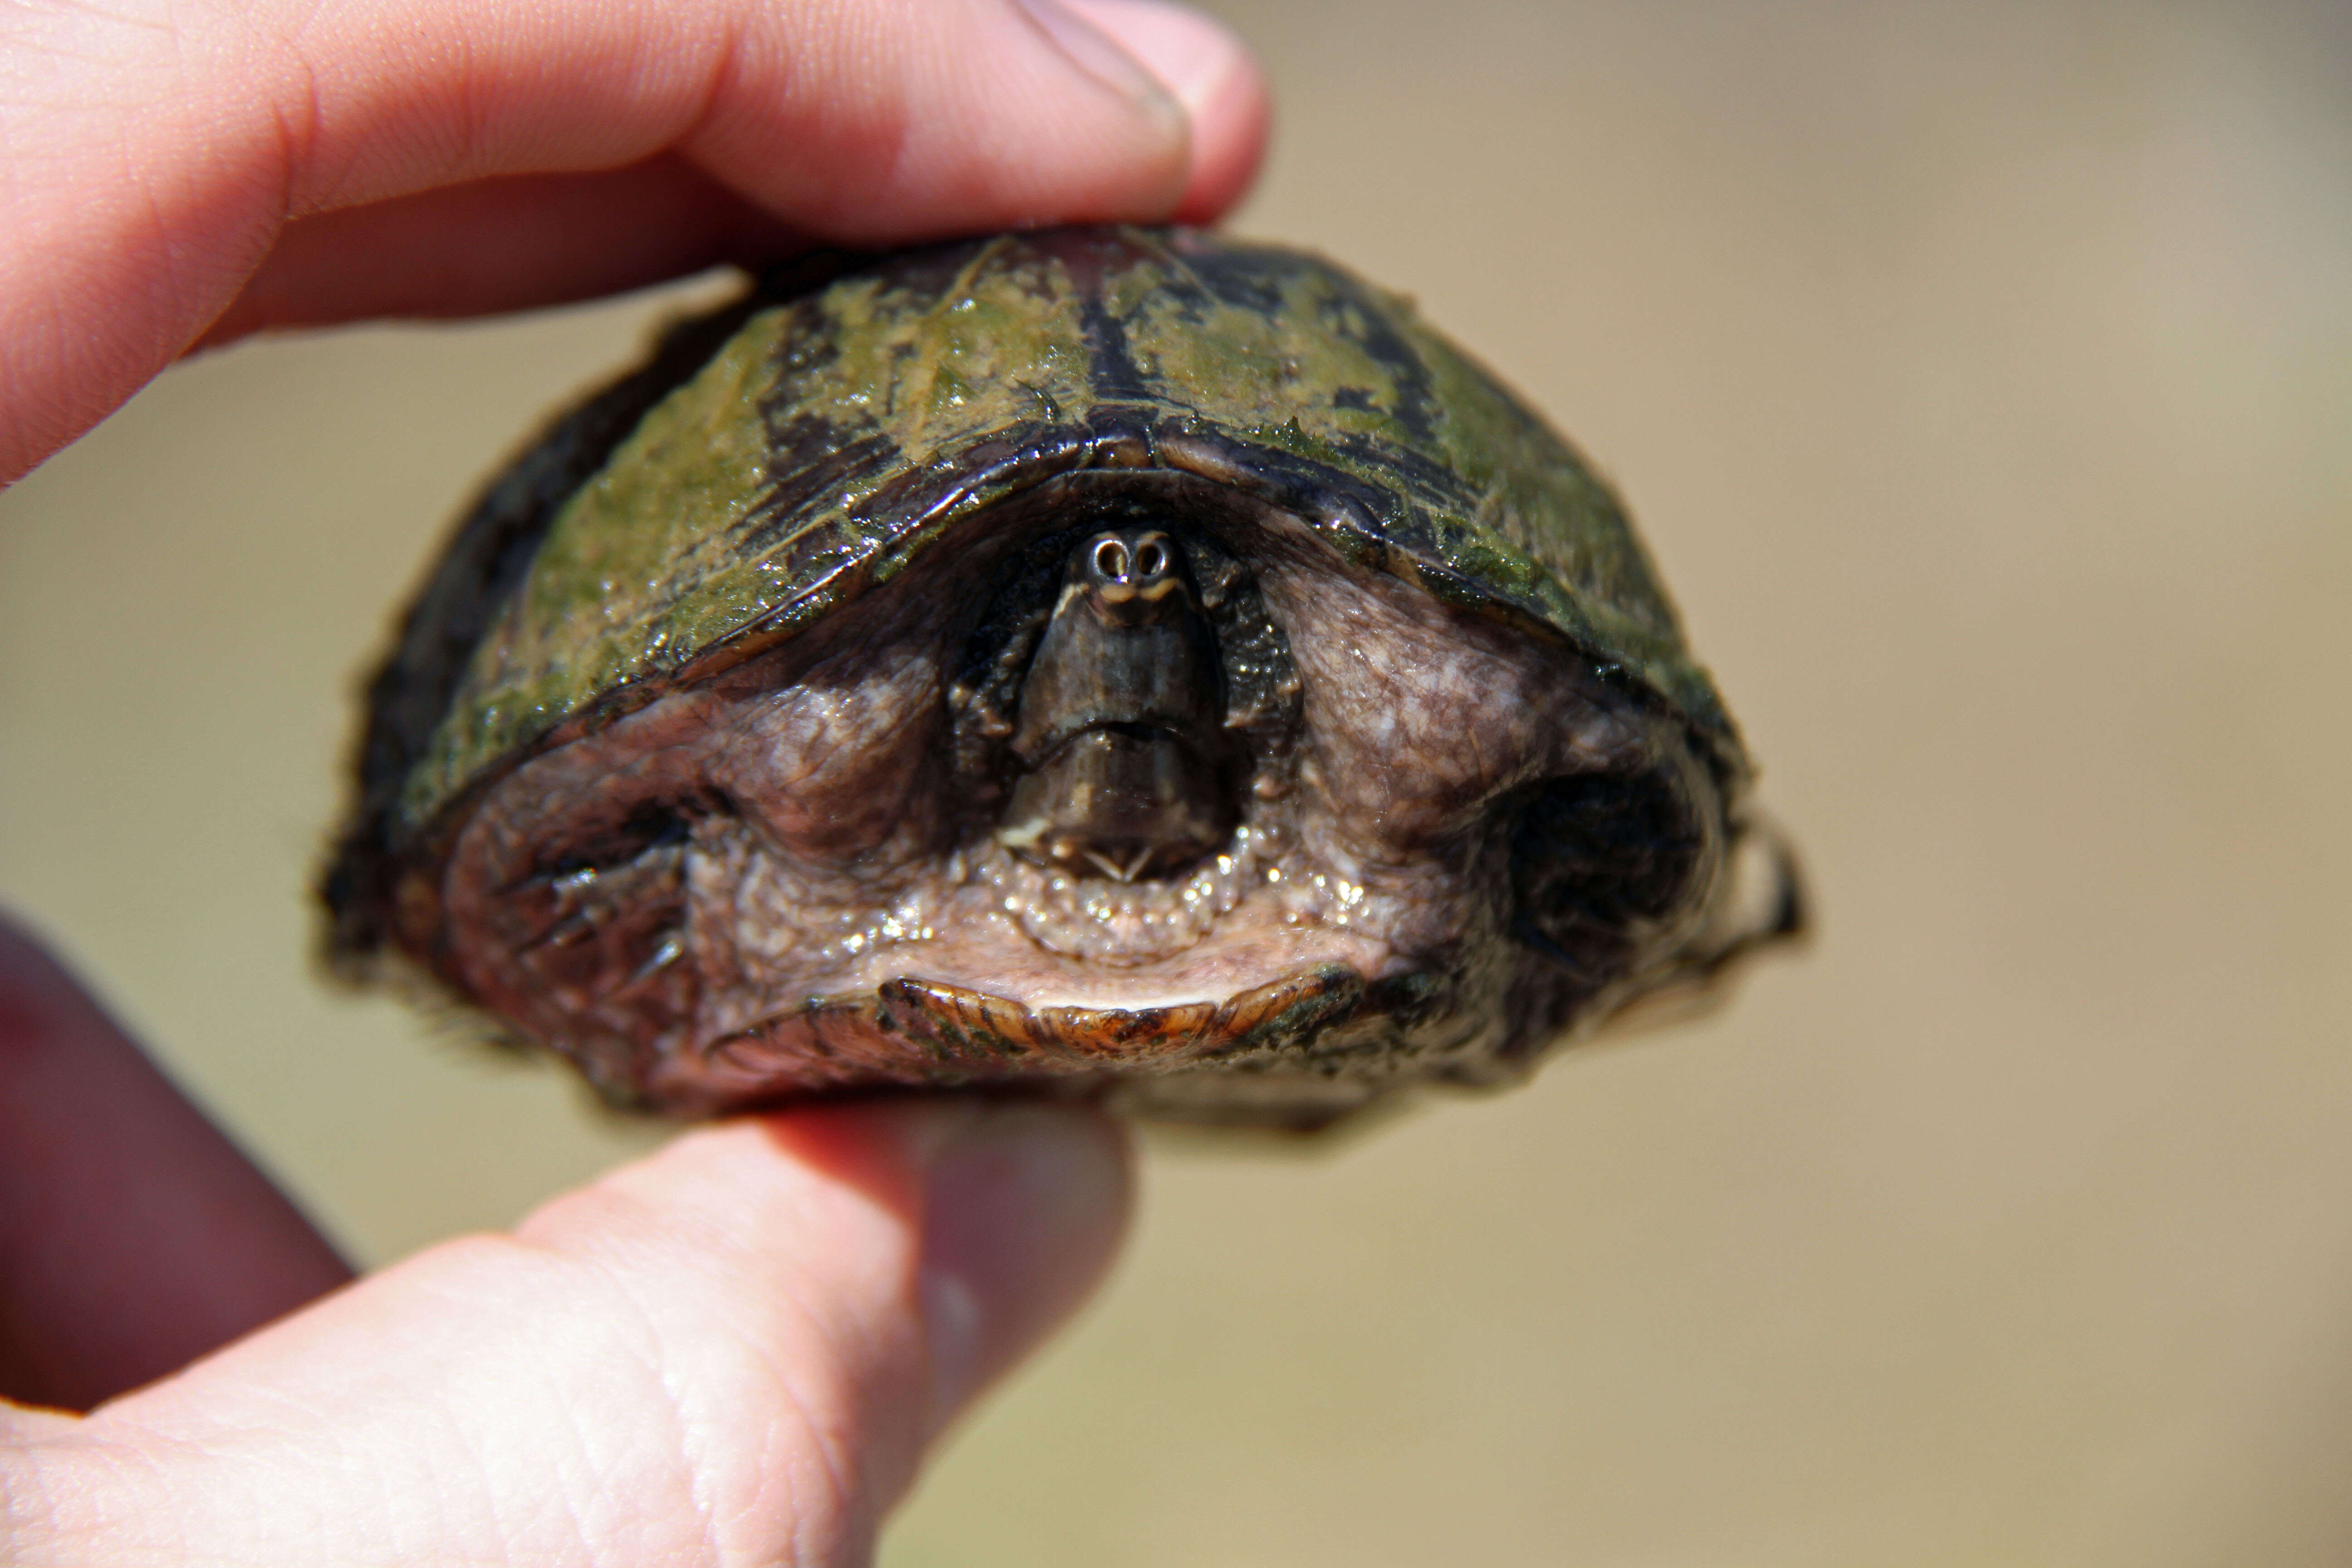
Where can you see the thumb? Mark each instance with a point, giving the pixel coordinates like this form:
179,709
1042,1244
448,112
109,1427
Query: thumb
735,1350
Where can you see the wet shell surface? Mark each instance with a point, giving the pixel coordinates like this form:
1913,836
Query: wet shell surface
1130,663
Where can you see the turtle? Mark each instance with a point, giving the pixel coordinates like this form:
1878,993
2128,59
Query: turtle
1130,663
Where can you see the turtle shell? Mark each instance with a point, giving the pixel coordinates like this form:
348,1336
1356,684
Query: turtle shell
699,757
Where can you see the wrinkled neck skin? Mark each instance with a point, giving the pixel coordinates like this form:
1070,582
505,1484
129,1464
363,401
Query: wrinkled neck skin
1301,864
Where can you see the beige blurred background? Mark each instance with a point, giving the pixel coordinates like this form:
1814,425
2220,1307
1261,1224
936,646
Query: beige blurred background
1983,376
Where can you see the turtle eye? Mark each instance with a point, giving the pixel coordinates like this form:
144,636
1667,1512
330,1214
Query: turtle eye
1110,559
1150,559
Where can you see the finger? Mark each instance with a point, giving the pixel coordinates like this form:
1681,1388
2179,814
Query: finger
133,1236
504,245
157,151
1207,71
734,1351
508,244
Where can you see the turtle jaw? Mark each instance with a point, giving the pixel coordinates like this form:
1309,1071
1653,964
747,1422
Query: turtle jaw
962,1035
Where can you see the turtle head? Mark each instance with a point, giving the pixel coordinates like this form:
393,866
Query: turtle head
1120,744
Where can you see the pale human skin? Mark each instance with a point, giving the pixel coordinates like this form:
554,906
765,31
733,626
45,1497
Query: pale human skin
738,1350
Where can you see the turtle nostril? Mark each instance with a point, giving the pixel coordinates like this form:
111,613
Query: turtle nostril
1110,560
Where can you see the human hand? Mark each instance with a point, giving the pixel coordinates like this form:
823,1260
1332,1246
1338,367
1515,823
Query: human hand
734,1351
737,1350
183,172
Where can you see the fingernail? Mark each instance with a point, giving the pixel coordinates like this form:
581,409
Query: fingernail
1023,1206
1101,56
1191,55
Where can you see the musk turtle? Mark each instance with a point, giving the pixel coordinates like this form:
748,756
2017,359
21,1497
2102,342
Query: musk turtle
1118,661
